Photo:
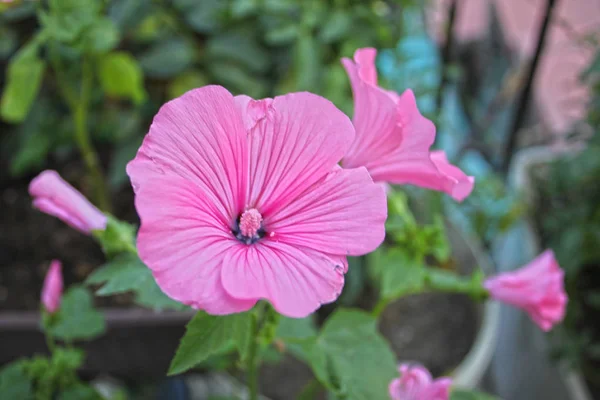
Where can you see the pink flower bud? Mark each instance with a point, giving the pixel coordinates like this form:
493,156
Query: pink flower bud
53,287
56,197
416,383
537,288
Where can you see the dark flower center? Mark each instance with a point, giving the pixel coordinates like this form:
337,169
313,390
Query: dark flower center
248,227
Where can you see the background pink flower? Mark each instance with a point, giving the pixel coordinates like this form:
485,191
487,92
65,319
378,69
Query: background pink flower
242,200
393,138
53,287
415,383
52,195
537,288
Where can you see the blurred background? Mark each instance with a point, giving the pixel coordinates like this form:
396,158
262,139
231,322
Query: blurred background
512,85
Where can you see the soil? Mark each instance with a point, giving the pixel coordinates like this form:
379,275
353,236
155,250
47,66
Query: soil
30,239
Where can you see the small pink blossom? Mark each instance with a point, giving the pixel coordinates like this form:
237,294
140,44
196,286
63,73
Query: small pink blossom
416,383
393,138
53,195
242,199
53,287
537,288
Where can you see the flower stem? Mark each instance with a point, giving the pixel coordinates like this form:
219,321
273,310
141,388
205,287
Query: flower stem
252,361
438,280
50,342
78,106
82,137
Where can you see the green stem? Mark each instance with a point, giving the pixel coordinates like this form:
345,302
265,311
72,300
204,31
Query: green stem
252,361
438,280
379,307
82,138
50,342
78,106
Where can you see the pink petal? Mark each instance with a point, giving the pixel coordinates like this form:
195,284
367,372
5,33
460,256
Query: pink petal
365,60
53,287
54,196
200,137
393,138
537,288
184,240
453,181
294,140
343,213
295,280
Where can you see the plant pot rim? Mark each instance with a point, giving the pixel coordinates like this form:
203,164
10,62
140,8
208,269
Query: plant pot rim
115,318
469,373
519,176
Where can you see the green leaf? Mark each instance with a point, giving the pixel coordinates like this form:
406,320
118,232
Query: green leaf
459,394
238,47
79,392
121,76
101,36
307,63
203,16
77,319
336,27
361,359
187,81
208,334
14,383
281,35
399,274
167,58
23,81
122,154
32,152
124,273
127,273
238,79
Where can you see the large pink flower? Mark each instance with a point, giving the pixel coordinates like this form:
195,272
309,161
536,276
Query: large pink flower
416,383
537,288
242,200
52,195
393,138
53,287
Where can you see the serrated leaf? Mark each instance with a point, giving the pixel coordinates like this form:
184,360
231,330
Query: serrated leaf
361,359
208,334
14,383
23,81
128,273
77,319
121,76
123,274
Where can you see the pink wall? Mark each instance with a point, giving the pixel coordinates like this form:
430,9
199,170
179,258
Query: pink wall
559,96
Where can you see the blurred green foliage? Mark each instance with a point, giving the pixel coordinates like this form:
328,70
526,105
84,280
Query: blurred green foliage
144,53
568,216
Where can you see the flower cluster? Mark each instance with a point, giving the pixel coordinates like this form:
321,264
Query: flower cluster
242,200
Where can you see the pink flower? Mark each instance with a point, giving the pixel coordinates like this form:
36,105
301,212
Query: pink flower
56,197
393,138
53,287
242,200
416,383
537,288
